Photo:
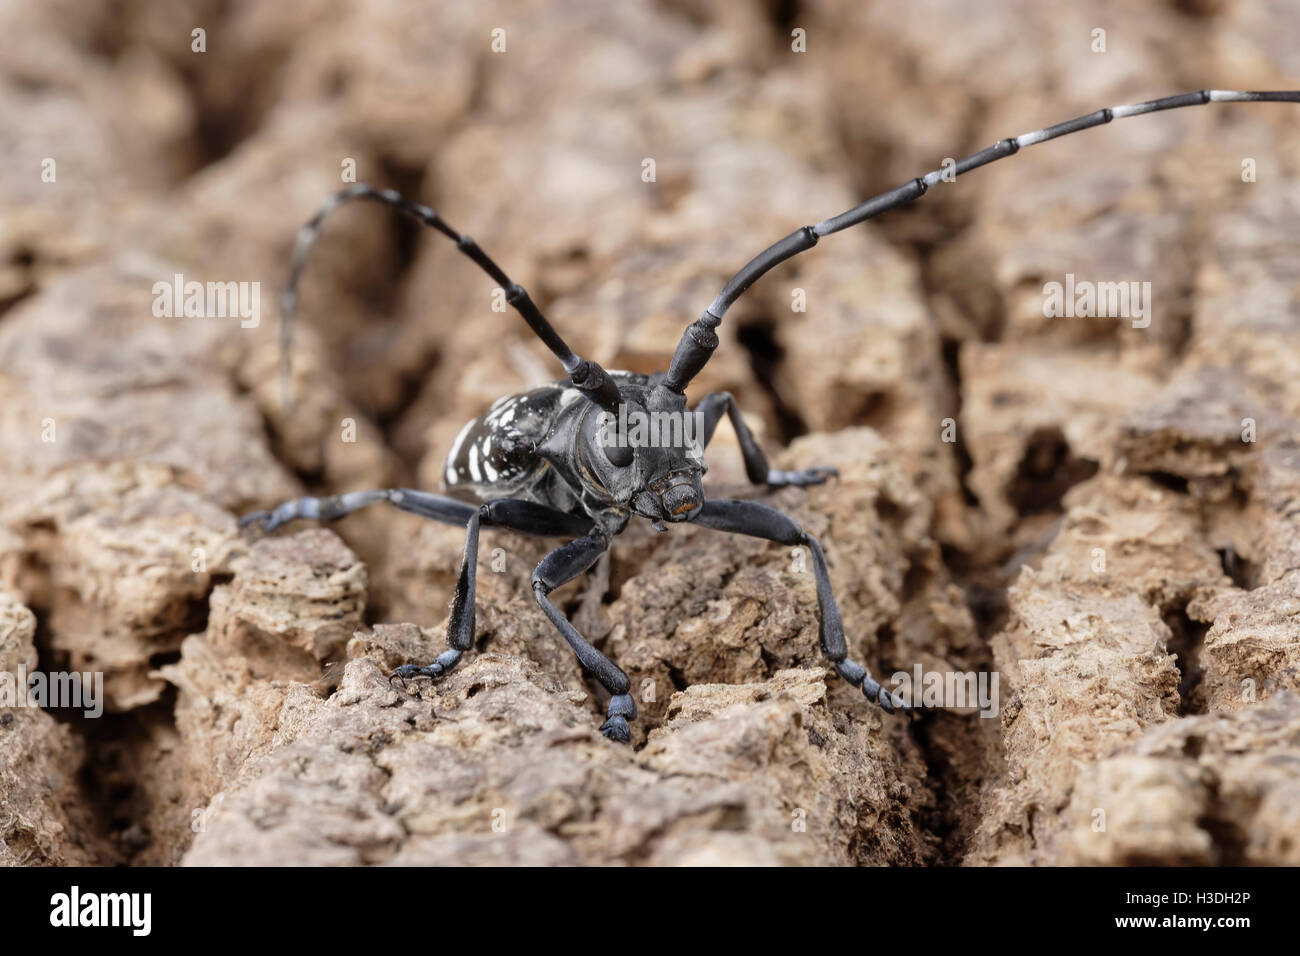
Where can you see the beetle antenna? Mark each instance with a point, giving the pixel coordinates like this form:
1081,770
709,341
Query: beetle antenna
699,340
587,376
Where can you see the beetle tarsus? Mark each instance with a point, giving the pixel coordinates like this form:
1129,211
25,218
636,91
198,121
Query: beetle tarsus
801,479
443,663
617,729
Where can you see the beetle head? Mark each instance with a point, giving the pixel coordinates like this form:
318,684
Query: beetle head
648,457
671,459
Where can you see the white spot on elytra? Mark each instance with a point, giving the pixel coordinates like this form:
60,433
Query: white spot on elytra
460,440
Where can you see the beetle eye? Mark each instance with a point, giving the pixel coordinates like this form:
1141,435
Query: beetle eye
620,456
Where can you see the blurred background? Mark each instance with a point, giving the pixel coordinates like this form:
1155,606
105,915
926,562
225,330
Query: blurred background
202,154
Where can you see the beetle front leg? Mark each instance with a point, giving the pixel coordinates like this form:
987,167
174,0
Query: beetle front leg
759,521
517,515
560,566
712,407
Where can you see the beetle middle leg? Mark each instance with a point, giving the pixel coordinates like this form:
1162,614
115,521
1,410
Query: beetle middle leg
560,566
759,521
713,406
515,514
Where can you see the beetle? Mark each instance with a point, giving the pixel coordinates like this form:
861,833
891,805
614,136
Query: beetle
548,462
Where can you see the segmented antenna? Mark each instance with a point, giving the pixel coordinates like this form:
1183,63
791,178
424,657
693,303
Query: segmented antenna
699,340
587,376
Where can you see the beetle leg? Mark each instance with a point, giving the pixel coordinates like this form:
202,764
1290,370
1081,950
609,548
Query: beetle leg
516,514
758,520
713,406
560,566
436,507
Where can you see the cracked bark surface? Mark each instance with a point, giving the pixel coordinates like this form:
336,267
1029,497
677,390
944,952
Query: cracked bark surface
1100,534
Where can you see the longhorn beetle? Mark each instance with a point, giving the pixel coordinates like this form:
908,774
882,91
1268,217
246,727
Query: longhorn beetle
543,462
